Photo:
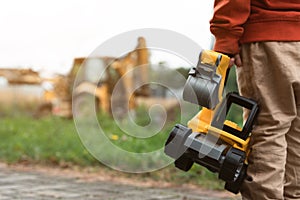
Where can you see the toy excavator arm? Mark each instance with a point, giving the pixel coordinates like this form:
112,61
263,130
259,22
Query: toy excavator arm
205,87
205,84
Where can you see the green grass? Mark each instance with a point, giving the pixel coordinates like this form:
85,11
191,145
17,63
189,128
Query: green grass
48,140
54,141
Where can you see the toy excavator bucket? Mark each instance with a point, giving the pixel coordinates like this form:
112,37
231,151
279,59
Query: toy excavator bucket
203,83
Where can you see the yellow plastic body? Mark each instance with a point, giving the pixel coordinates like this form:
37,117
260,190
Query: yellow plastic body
201,123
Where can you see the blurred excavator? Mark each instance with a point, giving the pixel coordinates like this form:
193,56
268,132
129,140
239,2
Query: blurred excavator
20,76
83,83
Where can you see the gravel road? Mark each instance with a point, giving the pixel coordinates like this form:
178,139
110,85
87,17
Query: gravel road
31,184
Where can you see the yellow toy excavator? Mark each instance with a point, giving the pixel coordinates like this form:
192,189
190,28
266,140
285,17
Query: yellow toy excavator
210,140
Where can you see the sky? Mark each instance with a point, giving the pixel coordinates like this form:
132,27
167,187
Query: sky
47,35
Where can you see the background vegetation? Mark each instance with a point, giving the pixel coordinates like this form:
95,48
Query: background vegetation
54,141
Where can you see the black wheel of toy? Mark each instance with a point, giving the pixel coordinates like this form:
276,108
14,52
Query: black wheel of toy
235,187
184,163
232,165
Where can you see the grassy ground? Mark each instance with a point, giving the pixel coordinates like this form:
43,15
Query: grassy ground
54,141
51,139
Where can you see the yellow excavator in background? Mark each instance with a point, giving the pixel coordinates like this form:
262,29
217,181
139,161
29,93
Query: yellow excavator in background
83,83
88,83
20,76
131,70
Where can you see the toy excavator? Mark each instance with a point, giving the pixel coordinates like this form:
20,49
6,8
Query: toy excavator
210,140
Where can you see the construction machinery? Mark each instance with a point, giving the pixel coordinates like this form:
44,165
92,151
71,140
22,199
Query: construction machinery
210,140
83,83
28,77
19,89
92,80
20,76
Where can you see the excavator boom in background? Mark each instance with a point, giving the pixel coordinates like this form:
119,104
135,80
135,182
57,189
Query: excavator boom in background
83,83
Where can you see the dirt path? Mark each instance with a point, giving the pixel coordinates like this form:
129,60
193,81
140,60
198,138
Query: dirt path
35,182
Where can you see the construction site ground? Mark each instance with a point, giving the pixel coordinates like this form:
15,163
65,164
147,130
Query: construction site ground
42,182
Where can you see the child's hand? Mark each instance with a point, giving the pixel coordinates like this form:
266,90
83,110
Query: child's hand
235,60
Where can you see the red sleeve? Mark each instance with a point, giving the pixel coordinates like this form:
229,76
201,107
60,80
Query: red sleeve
227,24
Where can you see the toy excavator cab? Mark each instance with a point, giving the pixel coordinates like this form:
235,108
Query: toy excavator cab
221,113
